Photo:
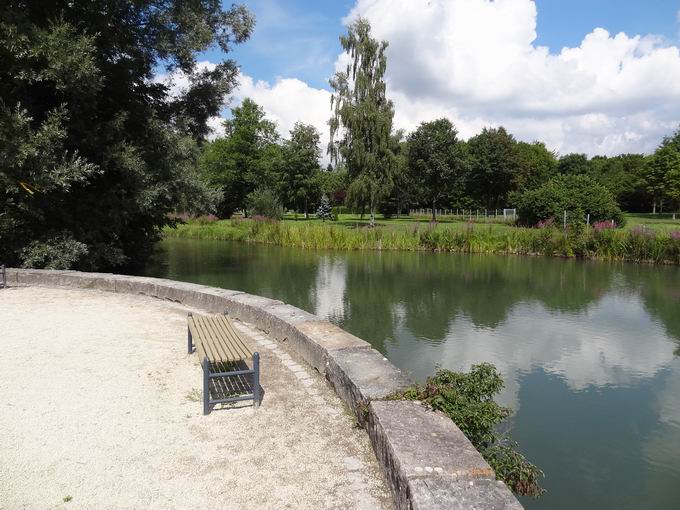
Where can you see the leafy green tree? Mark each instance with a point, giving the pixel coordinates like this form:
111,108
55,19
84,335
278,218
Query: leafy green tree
333,182
495,163
537,165
663,171
574,164
405,189
95,153
245,159
362,118
577,194
299,180
436,159
624,176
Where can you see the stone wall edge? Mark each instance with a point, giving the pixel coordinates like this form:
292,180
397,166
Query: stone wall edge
319,343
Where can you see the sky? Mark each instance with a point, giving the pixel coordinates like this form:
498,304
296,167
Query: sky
591,76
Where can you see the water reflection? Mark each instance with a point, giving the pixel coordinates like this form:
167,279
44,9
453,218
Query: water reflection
589,351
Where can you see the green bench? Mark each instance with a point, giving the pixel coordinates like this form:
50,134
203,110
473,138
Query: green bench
220,347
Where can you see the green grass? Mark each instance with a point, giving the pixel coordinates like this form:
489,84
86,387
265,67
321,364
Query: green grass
659,222
653,244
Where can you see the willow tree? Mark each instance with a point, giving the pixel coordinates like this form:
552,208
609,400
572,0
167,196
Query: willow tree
362,118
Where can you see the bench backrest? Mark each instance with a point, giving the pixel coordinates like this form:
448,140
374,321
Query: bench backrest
216,338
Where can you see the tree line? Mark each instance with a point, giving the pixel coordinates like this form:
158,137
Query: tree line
376,168
432,167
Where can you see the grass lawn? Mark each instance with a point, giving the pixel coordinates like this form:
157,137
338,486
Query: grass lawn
659,222
401,223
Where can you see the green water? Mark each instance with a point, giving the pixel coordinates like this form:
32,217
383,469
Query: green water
590,352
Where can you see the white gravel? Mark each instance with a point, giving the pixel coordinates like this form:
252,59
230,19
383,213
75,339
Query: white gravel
100,408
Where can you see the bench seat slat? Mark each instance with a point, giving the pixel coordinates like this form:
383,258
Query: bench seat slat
220,345
237,343
196,335
204,339
216,338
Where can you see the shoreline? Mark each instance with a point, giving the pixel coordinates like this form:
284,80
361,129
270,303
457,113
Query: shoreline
427,464
631,246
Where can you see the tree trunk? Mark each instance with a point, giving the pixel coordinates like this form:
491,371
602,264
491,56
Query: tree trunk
654,207
306,215
434,210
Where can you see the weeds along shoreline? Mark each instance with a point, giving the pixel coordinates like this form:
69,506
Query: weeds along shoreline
578,241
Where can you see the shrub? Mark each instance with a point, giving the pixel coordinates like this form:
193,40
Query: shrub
577,194
59,252
467,398
264,202
205,219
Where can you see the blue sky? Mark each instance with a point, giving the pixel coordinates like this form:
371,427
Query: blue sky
600,77
299,38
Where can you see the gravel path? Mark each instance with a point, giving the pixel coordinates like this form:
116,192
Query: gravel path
111,417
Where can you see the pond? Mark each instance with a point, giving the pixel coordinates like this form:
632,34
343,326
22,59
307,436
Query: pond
590,352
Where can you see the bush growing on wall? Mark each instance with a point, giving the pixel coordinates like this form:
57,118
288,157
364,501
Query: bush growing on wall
577,194
467,398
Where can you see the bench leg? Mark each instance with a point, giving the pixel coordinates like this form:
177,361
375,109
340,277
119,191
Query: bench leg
190,343
256,379
206,385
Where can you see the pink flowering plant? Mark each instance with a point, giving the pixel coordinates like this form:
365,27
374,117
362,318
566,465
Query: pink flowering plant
547,223
599,226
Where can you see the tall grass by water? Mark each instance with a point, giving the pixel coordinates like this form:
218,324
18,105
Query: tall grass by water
638,244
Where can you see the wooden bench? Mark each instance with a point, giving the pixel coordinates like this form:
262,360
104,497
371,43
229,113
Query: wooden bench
219,344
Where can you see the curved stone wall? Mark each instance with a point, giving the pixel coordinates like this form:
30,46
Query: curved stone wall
426,459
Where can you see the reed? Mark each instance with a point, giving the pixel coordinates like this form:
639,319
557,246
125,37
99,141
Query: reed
636,245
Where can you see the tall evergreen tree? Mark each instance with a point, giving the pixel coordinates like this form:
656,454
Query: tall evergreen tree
94,153
324,210
362,118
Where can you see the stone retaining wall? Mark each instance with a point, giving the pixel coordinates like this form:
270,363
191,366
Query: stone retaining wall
426,459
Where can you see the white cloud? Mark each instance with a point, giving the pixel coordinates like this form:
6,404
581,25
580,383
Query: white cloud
477,62
178,81
287,101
